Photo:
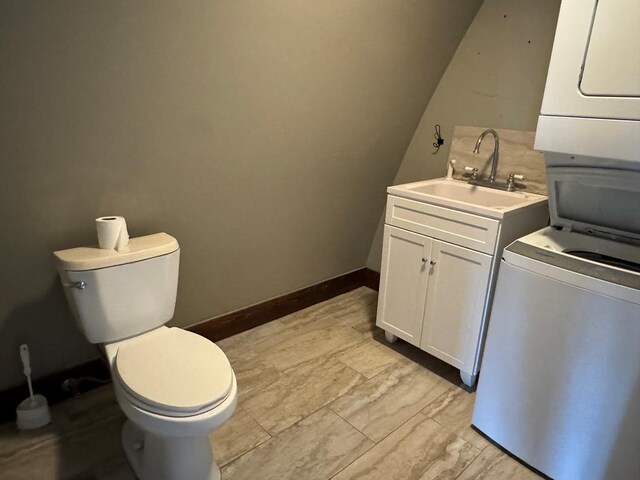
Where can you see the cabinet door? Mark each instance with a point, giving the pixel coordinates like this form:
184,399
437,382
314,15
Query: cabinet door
403,283
455,304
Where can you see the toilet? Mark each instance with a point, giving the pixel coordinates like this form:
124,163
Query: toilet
175,387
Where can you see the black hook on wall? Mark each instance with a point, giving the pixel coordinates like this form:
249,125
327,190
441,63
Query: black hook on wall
439,140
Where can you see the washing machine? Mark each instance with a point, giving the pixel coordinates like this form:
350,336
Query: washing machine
559,386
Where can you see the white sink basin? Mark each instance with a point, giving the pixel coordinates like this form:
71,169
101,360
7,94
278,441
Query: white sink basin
462,196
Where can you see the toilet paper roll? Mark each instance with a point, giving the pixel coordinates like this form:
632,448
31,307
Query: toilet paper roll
112,232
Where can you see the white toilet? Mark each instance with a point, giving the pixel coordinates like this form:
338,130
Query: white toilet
174,386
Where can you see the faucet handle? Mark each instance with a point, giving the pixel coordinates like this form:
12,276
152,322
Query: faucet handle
511,182
473,171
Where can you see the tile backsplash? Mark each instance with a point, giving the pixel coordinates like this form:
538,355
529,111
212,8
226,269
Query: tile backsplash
516,156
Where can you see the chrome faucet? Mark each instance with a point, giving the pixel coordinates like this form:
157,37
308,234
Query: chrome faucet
472,172
494,155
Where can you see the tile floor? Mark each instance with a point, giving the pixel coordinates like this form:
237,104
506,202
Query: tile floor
321,396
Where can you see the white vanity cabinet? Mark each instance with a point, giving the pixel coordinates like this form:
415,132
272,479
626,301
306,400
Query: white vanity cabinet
438,267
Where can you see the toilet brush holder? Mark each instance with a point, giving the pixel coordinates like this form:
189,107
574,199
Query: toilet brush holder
33,412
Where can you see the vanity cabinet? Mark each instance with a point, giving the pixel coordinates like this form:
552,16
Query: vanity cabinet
438,270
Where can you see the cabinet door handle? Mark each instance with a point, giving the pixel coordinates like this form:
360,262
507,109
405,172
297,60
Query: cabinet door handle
424,260
432,262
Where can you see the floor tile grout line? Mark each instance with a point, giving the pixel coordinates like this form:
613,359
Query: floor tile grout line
382,439
221,466
373,445
316,310
352,425
326,405
446,392
257,423
338,350
329,355
271,437
388,367
275,436
448,427
289,326
419,412
243,454
335,357
469,464
479,451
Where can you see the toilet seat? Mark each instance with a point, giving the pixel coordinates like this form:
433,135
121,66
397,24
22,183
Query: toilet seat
173,372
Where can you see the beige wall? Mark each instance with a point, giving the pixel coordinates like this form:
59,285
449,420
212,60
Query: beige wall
258,133
496,78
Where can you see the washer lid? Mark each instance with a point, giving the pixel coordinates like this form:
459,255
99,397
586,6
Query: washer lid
174,370
597,201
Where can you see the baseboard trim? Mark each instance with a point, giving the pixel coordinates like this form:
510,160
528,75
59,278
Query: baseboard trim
371,279
214,329
236,322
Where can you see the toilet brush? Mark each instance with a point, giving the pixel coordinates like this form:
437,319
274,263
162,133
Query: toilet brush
32,412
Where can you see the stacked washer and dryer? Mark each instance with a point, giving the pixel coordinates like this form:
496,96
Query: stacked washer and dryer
560,382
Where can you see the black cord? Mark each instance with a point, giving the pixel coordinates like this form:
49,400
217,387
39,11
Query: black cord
439,140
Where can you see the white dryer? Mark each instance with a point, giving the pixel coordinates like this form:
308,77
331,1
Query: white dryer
560,381
591,102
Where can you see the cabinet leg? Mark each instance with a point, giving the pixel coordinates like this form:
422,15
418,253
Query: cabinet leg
391,338
468,379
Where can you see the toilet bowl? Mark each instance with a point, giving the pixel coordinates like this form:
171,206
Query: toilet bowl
175,387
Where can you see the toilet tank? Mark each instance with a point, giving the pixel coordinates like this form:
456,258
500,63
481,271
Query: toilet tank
115,295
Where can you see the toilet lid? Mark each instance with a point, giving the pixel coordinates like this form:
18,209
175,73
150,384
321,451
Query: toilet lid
174,370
